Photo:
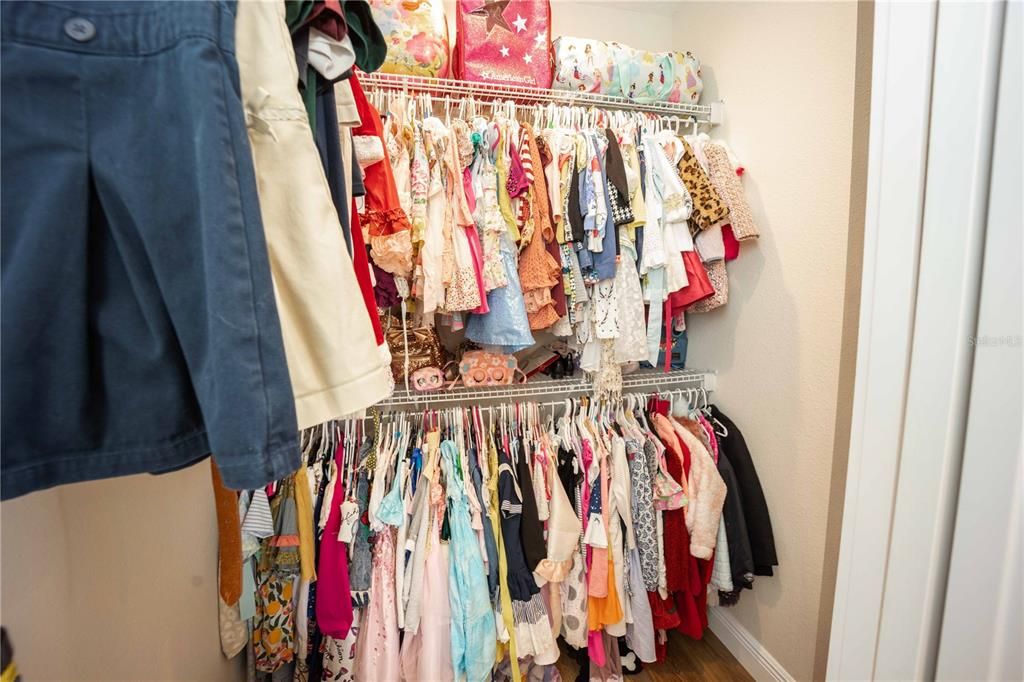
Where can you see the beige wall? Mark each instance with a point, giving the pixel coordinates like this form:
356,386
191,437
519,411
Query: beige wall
786,73
116,579
851,317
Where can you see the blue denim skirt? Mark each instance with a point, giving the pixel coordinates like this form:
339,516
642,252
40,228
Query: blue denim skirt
139,329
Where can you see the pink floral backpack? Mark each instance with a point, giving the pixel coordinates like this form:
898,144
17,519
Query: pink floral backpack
507,42
416,33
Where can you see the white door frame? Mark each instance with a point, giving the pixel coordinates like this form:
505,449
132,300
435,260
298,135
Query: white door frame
982,623
934,79
897,154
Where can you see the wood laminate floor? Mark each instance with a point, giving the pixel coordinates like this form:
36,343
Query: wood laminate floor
688,659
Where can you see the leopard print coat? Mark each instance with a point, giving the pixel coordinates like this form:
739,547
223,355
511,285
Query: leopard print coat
708,207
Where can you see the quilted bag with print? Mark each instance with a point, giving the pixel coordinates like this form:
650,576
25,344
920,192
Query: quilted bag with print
416,33
583,65
646,77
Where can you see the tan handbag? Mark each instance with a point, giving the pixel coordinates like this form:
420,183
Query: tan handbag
412,348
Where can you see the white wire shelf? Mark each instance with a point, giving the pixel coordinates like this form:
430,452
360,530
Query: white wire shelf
684,111
644,381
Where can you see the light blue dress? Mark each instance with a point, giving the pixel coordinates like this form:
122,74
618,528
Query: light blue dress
473,627
506,325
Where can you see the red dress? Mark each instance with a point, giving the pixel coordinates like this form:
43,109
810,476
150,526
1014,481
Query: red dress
691,601
687,577
664,613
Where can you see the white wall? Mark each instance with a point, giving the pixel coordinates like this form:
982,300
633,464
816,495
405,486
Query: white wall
786,74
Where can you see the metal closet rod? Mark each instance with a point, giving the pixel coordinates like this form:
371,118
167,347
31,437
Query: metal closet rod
650,381
702,113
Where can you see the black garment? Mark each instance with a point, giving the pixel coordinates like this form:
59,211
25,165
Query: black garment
618,187
582,659
755,509
6,654
575,211
615,167
314,658
569,475
639,232
521,585
643,189
643,169
531,531
328,143
300,45
741,559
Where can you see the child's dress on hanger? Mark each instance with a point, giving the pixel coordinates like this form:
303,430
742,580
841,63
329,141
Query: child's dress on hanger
473,628
377,648
506,325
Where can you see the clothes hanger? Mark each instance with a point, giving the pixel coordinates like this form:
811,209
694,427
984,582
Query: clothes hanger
325,445
348,459
682,406
304,445
529,433
629,421
503,422
643,412
575,428
539,425
640,415
719,427
566,420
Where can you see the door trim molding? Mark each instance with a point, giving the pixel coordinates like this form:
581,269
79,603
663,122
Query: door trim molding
901,90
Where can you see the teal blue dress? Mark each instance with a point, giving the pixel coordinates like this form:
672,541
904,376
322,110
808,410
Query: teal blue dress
473,627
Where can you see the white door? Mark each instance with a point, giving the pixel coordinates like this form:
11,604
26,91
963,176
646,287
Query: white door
982,636
937,406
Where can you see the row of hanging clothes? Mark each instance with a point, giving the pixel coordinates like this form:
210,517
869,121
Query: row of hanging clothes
503,221
464,543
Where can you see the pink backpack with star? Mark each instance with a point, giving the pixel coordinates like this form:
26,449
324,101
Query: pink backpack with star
506,42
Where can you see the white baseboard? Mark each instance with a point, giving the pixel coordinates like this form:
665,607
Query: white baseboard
747,650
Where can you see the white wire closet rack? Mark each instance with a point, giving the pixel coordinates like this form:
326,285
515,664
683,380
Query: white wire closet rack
649,381
485,92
